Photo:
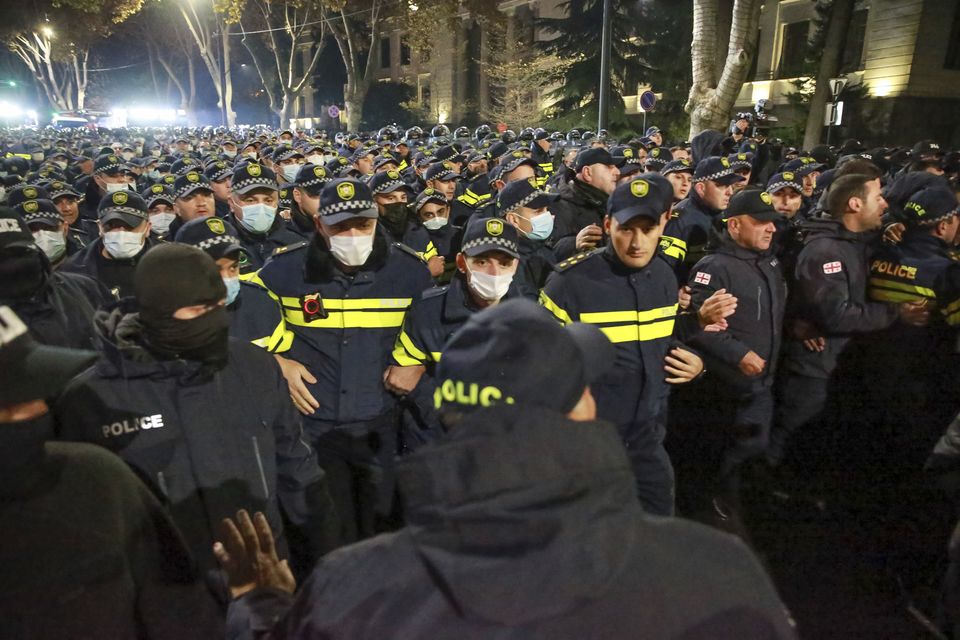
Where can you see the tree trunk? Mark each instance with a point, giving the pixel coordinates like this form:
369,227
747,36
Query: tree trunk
710,103
353,99
841,14
227,76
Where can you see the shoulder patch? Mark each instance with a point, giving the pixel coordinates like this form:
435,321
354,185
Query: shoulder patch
290,247
573,261
832,267
409,251
702,277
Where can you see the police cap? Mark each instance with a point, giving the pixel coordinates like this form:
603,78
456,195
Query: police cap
126,206
215,236
754,203
523,193
346,198
490,234
930,206
42,212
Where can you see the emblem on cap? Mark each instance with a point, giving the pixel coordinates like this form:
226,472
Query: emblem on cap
157,188
253,170
517,154
494,227
639,188
169,179
724,162
319,172
393,175
113,159
30,192
741,156
119,198
428,191
193,177
346,191
788,175
31,206
215,225
766,198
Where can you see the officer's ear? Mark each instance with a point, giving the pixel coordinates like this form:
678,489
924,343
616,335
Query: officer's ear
297,195
461,263
607,223
699,187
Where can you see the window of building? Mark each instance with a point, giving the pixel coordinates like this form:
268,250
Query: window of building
953,49
853,47
384,53
425,94
752,74
404,53
793,49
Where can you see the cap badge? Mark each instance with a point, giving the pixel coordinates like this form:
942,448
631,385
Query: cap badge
319,172
741,156
766,198
157,188
393,175
639,188
628,153
724,162
253,170
494,227
119,198
30,193
113,159
788,175
215,225
169,179
193,177
346,190
31,206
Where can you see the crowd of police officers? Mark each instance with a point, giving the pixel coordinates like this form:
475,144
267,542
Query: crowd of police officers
271,311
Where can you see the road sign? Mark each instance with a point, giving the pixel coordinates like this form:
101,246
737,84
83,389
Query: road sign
837,85
333,111
833,114
648,101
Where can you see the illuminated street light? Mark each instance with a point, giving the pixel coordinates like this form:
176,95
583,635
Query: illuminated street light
47,31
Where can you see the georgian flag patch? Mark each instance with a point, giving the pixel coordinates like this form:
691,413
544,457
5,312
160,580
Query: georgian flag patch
702,278
832,267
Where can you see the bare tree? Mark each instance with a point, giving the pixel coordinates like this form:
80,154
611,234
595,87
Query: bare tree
841,14
211,33
715,88
356,29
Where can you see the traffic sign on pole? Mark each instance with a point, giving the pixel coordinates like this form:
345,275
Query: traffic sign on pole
648,101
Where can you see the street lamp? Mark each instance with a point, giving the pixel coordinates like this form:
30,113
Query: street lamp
47,31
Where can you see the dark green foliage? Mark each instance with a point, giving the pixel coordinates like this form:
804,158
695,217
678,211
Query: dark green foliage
383,104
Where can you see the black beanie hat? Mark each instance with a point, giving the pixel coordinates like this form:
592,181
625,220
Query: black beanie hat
174,275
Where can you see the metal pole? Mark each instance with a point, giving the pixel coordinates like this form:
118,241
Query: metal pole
605,65
833,116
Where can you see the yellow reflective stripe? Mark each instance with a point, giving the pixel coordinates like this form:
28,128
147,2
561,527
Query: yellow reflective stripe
436,355
351,303
902,286
554,308
542,180
953,319
252,277
429,252
402,358
406,353
403,165
639,332
952,307
606,317
546,166
881,295
347,319
468,198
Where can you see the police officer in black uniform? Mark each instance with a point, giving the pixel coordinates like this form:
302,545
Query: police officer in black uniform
306,198
50,232
525,207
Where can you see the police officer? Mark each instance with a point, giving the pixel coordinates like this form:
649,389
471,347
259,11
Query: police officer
432,212
632,297
160,199
580,209
391,194
725,421
525,207
829,306
50,232
219,174
254,316
680,174
344,295
254,199
306,198
692,219
442,177
786,189
124,239
58,307
67,201
204,419
542,153
486,266
110,174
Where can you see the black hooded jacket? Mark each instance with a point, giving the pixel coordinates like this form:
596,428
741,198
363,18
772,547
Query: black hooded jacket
208,443
524,525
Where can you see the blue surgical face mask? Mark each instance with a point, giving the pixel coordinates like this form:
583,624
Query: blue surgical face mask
258,217
541,226
233,289
290,171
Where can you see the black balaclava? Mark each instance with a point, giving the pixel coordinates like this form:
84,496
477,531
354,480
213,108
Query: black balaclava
394,217
172,276
22,272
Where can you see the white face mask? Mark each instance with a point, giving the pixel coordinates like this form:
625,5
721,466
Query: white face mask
160,222
352,251
230,154
251,154
61,163
315,159
113,187
490,288
37,157
123,244
127,155
435,223
258,217
290,171
52,243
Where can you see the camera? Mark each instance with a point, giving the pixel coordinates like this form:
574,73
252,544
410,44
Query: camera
759,120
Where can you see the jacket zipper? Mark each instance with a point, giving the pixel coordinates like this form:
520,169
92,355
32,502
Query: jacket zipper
759,293
263,476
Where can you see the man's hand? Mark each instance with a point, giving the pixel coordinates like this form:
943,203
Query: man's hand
684,298
402,380
589,237
246,553
683,365
915,313
436,264
296,375
815,344
718,306
752,365
894,233
716,327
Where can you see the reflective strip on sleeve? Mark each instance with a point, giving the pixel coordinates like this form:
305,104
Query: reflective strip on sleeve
429,252
673,247
894,291
650,324
554,308
406,353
